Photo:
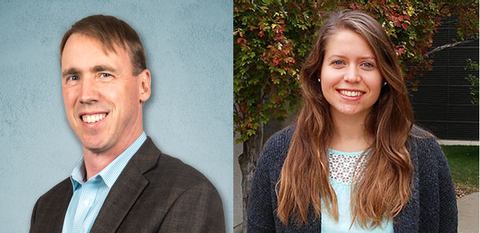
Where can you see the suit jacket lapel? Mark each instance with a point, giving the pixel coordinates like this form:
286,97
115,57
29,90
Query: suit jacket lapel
49,211
63,207
126,190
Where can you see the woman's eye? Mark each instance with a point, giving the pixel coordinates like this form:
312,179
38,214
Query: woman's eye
337,63
368,64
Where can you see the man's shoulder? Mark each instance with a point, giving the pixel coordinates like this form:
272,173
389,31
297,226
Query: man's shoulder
171,190
177,174
60,190
162,170
50,208
178,197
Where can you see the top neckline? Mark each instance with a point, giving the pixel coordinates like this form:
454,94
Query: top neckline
356,153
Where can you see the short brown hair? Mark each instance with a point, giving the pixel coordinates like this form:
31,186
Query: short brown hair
110,31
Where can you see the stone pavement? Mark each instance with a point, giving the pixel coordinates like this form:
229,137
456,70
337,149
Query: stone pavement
468,213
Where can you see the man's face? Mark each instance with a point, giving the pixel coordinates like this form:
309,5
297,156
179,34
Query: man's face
101,95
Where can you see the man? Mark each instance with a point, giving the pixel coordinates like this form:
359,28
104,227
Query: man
123,183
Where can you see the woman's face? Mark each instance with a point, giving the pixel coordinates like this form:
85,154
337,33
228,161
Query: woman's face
350,79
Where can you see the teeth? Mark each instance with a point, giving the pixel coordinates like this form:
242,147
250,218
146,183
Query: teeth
351,93
93,118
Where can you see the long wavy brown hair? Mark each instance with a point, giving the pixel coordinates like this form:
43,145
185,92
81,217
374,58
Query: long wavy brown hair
383,188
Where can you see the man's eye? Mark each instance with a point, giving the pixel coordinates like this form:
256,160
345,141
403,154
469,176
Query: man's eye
104,75
73,78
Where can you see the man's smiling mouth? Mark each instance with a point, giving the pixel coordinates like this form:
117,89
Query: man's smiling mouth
93,118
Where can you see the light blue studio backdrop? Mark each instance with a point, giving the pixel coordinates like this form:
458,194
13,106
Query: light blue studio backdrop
189,115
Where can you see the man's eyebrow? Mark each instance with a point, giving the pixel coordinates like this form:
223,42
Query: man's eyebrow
70,71
100,68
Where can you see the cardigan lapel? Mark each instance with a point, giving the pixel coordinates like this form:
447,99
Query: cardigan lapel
409,217
126,190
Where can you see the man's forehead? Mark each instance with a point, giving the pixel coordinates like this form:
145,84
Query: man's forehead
84,54
107,46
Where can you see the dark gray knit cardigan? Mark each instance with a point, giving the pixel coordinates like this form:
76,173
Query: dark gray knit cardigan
432,207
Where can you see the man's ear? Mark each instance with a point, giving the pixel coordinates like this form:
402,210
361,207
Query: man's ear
145,82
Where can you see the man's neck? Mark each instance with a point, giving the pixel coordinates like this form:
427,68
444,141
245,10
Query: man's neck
96,161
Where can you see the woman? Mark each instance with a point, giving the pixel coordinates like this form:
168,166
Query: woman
354,161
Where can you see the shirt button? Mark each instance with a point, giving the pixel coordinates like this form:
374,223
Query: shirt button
85,202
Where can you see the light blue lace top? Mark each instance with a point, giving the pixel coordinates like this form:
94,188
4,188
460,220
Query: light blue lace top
342,170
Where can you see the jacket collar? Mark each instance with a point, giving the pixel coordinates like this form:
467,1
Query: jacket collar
128,187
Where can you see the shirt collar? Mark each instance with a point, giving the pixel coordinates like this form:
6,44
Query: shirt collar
111,172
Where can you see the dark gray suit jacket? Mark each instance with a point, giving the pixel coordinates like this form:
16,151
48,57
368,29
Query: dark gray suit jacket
154,193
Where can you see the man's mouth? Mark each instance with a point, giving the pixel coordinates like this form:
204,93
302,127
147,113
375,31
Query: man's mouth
351,93
93,118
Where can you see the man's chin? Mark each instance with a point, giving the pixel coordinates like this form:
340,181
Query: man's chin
94,146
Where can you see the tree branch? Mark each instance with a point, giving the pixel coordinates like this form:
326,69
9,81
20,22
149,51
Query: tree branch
446,46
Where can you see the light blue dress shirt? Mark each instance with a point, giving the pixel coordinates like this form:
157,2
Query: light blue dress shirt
341,184
88,196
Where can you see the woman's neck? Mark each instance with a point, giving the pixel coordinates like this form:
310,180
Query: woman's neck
350,134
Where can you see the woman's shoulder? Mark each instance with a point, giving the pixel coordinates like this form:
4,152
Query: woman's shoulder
283,136
419,136
424,144
420,133
276,147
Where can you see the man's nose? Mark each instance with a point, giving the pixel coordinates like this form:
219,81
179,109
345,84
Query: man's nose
89,91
